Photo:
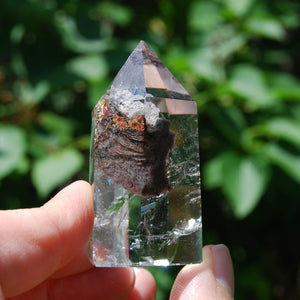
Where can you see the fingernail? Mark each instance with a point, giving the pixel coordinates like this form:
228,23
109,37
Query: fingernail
136,271
223,267
133,274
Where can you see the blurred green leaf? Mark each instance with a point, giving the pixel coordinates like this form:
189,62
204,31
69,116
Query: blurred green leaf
203,63
91,68
204,15
296,112
61,127
231,44
212,172
216,47
238,8
288,162
290,18
53,170
83,142
284,129
230,122
285,86
31,95
18,64
248,82
223,42
244,181
12,148
74,40
17,33
118,14
23,166
96,91
265,26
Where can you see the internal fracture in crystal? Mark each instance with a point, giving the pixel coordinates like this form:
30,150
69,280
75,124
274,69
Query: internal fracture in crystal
145,169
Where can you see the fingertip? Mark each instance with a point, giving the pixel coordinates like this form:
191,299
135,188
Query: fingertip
77,190
73,204
82,191
144,287
212,279
223,268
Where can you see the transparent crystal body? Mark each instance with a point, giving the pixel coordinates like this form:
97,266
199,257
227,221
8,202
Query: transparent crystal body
145,169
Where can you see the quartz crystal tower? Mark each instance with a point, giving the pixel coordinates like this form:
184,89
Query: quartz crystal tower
145,169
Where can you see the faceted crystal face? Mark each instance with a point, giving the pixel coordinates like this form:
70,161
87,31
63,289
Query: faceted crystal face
145,169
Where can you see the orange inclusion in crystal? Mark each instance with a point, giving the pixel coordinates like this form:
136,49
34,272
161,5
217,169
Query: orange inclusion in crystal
136,122
122,123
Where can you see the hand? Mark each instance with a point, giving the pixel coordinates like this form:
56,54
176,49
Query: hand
43,256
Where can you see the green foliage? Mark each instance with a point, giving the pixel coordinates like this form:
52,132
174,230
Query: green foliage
244,181
12,148
92,68
50,171
238,59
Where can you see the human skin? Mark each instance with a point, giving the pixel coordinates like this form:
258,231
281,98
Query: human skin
43,256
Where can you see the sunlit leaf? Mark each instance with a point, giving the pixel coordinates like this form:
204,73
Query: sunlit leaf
265,26
53,170
248,82
61,127
244,181
288,162
238,8
91,67
216,47
204,15
74,40
203,63
17,33
31,95
118,14
231,45
284,129
12,148
212,172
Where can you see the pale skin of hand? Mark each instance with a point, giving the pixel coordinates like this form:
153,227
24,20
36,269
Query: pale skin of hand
43,256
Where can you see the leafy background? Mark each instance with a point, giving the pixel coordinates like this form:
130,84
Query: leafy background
240,62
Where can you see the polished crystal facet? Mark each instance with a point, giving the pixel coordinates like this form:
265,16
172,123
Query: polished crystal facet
145,169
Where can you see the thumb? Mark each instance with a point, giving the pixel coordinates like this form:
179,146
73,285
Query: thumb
38,242
212,279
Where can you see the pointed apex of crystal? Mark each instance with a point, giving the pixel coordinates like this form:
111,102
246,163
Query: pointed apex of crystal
143,45
144,75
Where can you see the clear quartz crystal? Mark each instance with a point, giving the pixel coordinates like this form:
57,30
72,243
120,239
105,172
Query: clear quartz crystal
145,169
